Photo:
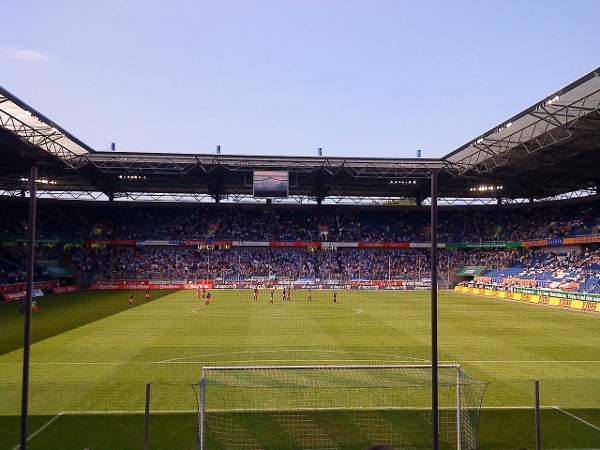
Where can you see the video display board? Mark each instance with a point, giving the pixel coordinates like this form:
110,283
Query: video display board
271,184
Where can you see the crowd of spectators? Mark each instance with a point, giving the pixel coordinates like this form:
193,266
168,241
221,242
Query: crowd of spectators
189,263
260,223
577,270
574,270
84,220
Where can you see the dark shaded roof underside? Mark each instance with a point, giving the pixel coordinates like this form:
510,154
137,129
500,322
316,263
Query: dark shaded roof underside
550,149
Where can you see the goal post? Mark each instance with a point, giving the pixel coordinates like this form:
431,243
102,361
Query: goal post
335,407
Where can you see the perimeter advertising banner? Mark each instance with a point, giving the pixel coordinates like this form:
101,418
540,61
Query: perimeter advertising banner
145,284
553,298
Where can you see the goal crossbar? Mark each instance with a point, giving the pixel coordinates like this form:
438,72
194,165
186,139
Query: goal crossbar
326,367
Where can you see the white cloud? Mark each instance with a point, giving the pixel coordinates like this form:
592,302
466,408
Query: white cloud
23,55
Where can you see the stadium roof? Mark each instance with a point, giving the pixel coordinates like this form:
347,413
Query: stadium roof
551,149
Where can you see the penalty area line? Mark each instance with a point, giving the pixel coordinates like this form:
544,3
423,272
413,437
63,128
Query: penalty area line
39,430
577,418
83,413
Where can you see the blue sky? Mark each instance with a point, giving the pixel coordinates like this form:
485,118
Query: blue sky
356,78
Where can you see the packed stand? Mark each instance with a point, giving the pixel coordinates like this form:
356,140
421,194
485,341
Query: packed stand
576,270
248,223
259,223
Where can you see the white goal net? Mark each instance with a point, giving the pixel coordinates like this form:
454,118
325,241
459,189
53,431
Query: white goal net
335,407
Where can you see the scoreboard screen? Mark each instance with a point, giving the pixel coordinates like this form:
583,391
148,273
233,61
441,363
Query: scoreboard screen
271,184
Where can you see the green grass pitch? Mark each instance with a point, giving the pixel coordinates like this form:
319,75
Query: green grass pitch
92,356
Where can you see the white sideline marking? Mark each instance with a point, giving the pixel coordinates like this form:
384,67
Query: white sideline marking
533,361
39,430
577,418
399,357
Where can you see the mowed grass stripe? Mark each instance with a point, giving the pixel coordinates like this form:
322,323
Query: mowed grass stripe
91,352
